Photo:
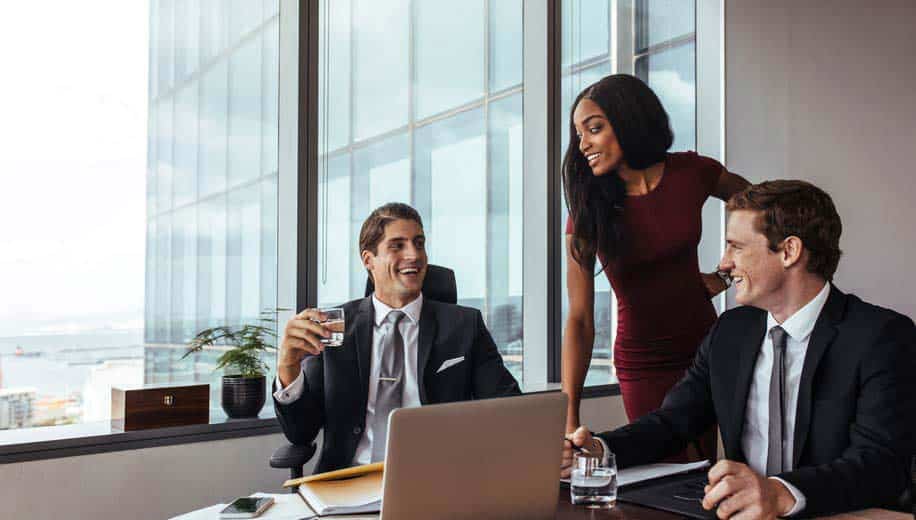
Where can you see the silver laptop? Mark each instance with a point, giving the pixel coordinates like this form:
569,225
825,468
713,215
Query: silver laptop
494,459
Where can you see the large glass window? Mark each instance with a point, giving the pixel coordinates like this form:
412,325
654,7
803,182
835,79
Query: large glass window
143,207
435,93
656,41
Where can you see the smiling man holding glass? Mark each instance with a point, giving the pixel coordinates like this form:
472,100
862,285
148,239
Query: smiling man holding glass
399,350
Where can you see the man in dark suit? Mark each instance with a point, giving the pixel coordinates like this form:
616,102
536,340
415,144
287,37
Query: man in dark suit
399,350
813,389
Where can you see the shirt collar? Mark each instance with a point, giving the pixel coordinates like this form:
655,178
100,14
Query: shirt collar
412,309
800,325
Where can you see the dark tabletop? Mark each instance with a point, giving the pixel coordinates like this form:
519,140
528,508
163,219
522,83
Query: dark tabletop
621,511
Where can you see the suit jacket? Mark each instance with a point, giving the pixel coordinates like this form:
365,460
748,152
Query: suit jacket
856,415
336,387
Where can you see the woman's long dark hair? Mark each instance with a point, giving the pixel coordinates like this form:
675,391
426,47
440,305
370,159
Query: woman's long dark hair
595,202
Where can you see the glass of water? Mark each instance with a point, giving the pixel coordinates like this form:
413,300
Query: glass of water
593,481
334,322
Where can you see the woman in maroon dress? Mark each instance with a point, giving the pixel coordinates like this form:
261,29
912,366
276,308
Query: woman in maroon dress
637,209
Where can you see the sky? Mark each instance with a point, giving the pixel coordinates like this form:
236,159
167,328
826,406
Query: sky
73,116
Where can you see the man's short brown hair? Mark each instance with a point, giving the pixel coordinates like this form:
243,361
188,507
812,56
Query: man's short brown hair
373,230
796,208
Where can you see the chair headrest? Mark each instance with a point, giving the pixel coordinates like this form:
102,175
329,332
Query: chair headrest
438,285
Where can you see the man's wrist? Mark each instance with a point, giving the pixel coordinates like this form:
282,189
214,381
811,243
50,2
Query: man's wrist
288,373
785,501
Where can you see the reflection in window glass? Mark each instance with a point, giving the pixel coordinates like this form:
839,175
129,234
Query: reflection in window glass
187,47
214,25
244,15
334,50
672,75
661,20
505,229
505,44
184,275
165,40
211,267
245,113
213,129
452,155
185,146
243,256
270,98
586,30
462,172
449,49
381,72
218,266
164,149
336,238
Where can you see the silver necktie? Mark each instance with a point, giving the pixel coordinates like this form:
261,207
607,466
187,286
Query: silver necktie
388,396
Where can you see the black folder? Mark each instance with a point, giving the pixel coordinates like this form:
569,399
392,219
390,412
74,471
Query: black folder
680,494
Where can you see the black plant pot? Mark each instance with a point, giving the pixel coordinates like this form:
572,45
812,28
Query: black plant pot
243,396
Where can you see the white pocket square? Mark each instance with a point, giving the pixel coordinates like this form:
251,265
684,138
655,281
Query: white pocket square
450,363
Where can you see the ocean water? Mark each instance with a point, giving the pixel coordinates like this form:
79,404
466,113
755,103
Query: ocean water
58,365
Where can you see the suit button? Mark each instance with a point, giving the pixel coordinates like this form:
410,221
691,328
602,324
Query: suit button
357,430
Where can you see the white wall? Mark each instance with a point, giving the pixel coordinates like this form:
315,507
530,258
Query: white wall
156,483
151,483
825,91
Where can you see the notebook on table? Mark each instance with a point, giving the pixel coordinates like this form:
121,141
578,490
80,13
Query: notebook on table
343,492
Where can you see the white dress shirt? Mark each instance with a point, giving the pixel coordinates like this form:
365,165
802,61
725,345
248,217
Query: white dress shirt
754,440
410,329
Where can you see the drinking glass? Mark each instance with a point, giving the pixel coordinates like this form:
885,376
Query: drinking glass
593,481
334,322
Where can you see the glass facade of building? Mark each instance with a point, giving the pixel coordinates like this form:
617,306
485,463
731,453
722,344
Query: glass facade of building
211,177
421,103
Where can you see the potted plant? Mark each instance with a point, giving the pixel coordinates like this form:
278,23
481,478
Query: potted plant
244,383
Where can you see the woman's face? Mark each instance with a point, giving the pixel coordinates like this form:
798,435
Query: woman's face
597,141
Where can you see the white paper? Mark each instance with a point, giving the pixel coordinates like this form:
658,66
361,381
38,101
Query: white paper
651,471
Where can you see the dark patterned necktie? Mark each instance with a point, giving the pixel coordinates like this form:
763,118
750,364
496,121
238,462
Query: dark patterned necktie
775,462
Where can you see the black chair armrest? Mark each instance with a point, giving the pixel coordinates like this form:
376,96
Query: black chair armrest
293,457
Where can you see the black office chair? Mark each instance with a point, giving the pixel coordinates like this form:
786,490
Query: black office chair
439,284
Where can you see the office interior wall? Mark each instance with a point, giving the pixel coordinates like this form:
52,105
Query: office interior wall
823,91
157,483
151,483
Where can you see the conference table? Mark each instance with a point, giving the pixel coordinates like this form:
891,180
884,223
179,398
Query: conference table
290,507
287,505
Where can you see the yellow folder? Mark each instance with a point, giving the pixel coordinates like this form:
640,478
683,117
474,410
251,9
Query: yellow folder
339,474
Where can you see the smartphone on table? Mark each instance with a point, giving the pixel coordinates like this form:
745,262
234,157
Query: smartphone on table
246,507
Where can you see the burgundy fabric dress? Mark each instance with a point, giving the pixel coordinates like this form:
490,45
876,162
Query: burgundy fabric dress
663,309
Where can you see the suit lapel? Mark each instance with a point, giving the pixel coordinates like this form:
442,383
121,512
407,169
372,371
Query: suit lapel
749,350
365,320
428,328
821,337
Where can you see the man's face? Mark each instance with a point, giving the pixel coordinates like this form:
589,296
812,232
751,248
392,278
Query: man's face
399,265
757,272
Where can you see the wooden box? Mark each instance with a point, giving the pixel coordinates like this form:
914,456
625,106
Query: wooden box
157,406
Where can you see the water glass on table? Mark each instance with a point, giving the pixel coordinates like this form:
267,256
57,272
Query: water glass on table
334,322
593,481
